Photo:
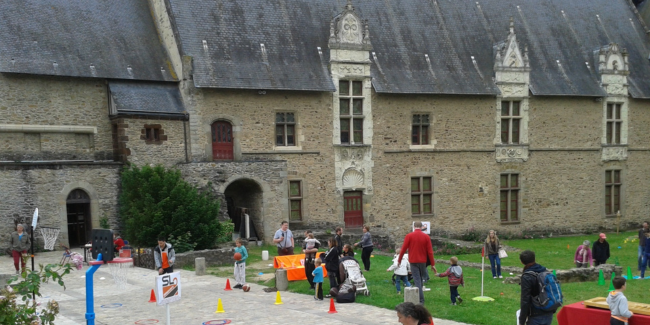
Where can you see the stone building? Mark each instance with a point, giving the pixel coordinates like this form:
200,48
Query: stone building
484,115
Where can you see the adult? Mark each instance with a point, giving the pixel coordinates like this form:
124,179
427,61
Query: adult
283,239
118,243
492,246
583,256
339,240
331,260
645,262
600,250
530,315
366,246
642,239
419,248
347,251
409,313
310,257
19,245
347,256
164,256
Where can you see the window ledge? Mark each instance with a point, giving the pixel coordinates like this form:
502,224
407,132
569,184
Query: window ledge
614,145
352,145
510,222
422,147
282,152
287,148
423,215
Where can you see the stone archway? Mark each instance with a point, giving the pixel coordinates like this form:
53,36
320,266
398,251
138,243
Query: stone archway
246,193
63,211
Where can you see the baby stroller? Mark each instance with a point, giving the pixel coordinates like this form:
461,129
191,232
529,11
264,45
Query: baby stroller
355,277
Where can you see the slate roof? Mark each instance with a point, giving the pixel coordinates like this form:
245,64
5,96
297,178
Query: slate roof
146,98
67,37
449,32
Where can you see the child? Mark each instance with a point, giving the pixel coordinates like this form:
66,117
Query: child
318,279
455,274
618,303
401,271
240,266
310,241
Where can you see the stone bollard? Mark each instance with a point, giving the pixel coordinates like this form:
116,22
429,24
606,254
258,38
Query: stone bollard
281,280
412,294
199,265
265,255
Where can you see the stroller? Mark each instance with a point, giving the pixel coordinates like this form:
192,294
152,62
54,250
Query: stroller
355,277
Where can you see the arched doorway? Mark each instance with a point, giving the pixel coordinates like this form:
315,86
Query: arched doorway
245,194
79,222
222,141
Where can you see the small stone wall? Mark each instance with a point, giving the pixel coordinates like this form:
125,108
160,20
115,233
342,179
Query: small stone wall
213,257
578,275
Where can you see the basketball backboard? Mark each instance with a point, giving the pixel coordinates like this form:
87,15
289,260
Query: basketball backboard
103,243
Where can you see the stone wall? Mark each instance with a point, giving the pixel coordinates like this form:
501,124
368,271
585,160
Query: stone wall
213,257
168,151
46,187
577,275
54,101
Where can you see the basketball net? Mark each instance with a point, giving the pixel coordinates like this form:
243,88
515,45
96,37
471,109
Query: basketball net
49,236
119,268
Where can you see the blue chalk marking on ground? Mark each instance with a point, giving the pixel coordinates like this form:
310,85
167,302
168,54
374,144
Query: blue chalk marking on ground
115,305
217,322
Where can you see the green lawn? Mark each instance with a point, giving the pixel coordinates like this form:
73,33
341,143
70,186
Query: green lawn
551,252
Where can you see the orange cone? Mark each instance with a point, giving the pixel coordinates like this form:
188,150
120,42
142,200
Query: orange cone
227,285
332,308
153,296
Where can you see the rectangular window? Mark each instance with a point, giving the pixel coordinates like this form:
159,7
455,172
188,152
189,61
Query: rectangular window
351,111
421,195
152,134
510,122
612,192
295,200
420,133
285,129
509,204
614,123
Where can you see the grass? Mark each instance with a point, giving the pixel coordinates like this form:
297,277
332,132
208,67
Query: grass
551,253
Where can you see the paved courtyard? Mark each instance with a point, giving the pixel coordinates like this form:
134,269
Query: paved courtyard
198,303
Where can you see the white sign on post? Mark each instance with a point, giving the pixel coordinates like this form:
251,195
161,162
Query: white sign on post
426,227
168,288
35,219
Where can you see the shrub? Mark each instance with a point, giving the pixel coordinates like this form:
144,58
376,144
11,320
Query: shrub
156,201
182,243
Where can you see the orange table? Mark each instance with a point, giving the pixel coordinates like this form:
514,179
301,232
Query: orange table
295,266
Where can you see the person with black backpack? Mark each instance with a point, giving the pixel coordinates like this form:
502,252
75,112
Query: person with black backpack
540,292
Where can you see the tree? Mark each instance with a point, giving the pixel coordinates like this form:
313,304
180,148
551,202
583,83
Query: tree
157,201
12,313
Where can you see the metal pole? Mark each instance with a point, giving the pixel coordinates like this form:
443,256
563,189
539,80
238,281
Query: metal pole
32,255
168,319
482,273
90,298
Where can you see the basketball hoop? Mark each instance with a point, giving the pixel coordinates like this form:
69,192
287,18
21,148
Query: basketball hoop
119,268
49,236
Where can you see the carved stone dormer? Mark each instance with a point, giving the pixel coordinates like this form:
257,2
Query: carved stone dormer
512,76
348,31
613,69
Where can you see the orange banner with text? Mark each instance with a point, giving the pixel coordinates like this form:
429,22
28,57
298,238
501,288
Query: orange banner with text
295,266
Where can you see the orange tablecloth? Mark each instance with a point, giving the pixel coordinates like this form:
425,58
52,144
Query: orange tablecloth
295,265
579,314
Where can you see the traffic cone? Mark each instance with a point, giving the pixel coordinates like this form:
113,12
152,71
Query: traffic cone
219,307
554,274
153,296
611,283
332,308
227,285
278,300
601,278
629,274
567,246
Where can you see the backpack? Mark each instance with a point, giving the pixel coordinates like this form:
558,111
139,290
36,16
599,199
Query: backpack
550,294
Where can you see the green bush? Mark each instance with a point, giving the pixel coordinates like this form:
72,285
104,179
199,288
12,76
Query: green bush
157,201
181,243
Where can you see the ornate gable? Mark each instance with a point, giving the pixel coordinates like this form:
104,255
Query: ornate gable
612,60
349,31
508,54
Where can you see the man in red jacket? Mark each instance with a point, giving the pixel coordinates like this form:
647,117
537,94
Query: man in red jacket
419,248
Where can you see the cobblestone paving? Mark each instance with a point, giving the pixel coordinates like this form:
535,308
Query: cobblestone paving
115,306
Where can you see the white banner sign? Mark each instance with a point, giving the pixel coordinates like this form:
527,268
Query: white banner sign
168,288
35,219
426,227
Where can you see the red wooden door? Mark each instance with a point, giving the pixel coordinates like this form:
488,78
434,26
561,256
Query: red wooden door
222,141
353,209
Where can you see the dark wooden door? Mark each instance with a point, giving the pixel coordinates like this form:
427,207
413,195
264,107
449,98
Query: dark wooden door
353,207
78,223
222,141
